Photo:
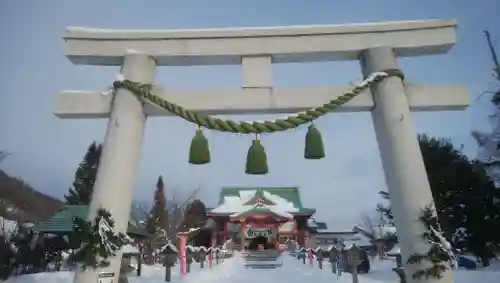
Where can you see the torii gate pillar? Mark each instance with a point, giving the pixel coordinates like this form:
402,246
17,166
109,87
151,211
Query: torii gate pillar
120,157
404,169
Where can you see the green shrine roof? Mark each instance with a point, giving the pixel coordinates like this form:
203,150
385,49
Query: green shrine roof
62,221
262,209
289,194
259,196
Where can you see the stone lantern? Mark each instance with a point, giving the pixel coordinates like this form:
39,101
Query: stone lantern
301,254
217,255
201,256
191,252
319,257
353,261
170,254
334,258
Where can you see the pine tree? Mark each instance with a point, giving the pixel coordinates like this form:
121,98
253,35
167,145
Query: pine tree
466,200
195,215
385,209
85,176
158,217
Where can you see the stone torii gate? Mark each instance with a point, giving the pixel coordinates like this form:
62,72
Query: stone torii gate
376,46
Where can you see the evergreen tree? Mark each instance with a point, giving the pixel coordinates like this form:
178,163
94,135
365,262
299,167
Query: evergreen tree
386,209
195,215
85,176
156,221
158,217
466,200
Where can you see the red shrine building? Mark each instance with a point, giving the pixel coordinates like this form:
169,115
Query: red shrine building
261,217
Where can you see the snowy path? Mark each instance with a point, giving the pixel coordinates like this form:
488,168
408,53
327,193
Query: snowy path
232,270
293,271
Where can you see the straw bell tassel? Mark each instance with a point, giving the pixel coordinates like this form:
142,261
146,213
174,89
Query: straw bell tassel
314,148
256,159
199,153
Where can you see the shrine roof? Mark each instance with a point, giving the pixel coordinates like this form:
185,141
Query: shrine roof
282,199
62,221
262,209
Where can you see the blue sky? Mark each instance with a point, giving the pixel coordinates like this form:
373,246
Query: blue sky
47,150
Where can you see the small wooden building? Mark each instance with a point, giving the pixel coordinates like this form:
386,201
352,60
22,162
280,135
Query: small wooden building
61,223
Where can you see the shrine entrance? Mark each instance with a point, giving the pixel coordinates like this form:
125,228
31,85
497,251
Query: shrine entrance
134,97
259,242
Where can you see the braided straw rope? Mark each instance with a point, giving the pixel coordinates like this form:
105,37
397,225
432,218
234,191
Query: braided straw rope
143,91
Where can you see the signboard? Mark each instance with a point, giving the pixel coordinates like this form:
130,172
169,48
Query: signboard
106,277
258,232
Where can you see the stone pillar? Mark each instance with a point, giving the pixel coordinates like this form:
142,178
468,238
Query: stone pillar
402,160
120,157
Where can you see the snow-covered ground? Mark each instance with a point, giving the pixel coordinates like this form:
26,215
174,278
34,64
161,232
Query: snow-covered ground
293,271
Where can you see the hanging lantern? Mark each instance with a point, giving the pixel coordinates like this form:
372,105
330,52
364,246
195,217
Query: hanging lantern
256,159
314,148
199,153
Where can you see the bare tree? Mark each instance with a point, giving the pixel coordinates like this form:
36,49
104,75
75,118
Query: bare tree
496,68
176,204
367,227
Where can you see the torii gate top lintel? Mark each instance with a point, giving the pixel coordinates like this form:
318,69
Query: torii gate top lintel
256,49
88,46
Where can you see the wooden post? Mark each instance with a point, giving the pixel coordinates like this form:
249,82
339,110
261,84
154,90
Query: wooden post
139,263
170,257
168,273
225,233
182,254
210,257
243,230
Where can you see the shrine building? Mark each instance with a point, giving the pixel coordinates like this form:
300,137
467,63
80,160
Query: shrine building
261,217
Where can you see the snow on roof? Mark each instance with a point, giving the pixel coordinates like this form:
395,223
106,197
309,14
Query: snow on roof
236,204
280,202
246,195
271,208
169,247
191,248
